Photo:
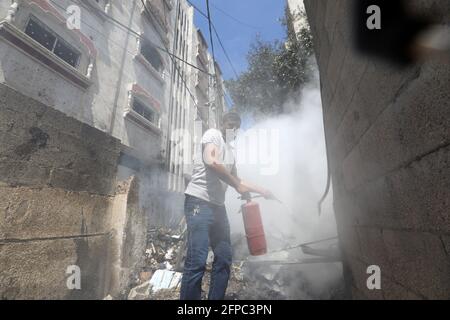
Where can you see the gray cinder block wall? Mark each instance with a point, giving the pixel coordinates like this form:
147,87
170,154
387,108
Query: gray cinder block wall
387,133
58,206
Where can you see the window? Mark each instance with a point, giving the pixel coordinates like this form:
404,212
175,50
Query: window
145,111
52,42
152,55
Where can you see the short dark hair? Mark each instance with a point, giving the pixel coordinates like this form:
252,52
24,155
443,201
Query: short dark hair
231,115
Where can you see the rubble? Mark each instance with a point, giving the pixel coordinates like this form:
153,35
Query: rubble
141,292
161,277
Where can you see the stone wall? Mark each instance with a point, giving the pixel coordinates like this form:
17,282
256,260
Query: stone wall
57,188
387,133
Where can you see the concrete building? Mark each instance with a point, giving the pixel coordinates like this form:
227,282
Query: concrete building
103,74
114,74
194,105
182,101
83,110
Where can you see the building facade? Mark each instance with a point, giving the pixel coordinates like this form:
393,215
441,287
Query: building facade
122,70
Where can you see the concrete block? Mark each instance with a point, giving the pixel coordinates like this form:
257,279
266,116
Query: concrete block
337,56
44,213
352,70
354,123
344,24
11,99
15,172
331,18
99,139
419,261
37,269
407,129
416,197
357,294
394,291
360,276
61,122
446,241
373,249
348,238
325,51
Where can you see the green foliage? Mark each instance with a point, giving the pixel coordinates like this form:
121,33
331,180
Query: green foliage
276,71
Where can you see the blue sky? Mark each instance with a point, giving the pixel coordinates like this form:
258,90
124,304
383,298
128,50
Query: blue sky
260,17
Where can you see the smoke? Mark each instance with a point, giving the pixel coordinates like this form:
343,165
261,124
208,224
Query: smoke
293,165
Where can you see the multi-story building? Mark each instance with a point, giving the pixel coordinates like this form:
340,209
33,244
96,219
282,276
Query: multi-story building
194,105
116,72
109,74
182,102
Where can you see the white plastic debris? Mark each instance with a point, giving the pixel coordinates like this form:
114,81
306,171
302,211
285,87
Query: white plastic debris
165,279
168,265
169,254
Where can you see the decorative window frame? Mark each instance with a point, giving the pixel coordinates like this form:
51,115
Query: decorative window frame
12,30
158,75
137,92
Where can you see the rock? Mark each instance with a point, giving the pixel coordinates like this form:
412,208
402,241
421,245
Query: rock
141,292
145,276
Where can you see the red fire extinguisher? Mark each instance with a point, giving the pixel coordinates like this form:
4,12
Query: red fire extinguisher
254,229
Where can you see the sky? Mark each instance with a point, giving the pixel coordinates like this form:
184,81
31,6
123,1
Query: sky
255,16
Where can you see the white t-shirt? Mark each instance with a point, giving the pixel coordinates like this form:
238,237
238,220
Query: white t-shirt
205,184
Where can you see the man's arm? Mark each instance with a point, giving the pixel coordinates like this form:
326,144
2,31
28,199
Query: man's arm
210,157
248,187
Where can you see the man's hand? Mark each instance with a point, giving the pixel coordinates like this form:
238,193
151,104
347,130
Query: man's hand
268,195
245,187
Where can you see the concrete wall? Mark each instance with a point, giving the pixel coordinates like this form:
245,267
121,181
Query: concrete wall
58,205
129,238
387,133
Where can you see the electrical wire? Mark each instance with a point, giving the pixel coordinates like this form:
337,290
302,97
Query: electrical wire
171,55
211,35
137,34
180,75
233,18
223,94
218,38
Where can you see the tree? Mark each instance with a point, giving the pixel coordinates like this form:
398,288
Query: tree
276,71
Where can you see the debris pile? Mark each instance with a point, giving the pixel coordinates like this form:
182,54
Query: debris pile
160,277
164,250
251,278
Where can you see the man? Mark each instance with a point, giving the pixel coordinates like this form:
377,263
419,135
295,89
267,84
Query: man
206,216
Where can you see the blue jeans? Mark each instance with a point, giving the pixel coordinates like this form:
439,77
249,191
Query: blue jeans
207,225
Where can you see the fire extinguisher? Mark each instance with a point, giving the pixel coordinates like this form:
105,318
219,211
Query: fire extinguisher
254,229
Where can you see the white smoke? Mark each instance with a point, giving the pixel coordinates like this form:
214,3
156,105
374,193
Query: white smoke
299,182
